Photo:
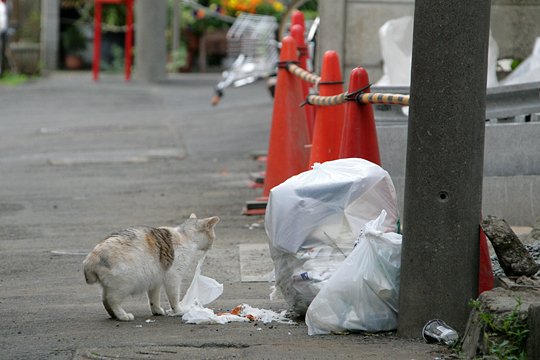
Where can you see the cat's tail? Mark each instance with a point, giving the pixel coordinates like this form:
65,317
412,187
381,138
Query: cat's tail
89,273
90,276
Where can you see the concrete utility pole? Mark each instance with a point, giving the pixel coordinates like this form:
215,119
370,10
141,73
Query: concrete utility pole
443,184
151,48
50,33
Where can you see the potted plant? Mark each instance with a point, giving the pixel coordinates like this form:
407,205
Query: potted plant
25,50
113,27
73,43
113,36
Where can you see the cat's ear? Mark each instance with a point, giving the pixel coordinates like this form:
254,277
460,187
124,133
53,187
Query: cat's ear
210,222
192,216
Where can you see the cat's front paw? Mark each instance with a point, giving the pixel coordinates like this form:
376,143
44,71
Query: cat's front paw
158,311
126,317
174,312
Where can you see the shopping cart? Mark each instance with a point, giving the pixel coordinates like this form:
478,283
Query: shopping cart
252,51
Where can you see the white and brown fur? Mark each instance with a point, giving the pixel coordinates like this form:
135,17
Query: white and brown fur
143,259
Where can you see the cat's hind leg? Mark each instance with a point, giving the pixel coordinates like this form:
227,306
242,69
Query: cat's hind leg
111,301
154,300
107,306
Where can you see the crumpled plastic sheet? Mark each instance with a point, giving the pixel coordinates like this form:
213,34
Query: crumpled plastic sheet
203,290
198,314
242,313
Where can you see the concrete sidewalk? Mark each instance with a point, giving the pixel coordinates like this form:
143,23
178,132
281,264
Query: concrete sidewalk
79,160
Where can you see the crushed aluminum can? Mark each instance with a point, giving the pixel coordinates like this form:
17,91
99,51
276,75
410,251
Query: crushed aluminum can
439,331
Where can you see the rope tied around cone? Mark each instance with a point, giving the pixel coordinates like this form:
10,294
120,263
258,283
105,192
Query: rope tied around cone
359,96
296,70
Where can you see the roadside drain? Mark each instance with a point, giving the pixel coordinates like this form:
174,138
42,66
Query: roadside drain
206,351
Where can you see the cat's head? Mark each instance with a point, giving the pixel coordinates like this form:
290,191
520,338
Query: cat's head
200,231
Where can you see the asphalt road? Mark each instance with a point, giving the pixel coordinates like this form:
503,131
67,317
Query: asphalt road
79,160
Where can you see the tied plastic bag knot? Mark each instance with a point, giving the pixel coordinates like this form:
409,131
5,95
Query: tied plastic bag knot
373,232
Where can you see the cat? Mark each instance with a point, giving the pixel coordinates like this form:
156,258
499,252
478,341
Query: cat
143,259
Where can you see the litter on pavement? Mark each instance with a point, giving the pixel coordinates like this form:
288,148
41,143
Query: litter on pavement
203,290
242,313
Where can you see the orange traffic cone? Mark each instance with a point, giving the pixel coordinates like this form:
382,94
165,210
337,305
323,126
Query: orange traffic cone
359,138
297,18
328,119
486,279
288,153
297,32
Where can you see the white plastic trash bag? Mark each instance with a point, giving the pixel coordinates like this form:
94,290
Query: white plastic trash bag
313,219
396,40
362,294
528,70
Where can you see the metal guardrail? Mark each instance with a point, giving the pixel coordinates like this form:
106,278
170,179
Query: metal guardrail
504,104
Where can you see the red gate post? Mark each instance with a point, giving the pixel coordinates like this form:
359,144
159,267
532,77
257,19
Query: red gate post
97,40
129,39
128,44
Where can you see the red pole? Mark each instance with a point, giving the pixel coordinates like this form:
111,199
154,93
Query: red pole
97,40
129,38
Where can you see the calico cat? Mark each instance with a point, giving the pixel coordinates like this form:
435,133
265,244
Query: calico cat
142,259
